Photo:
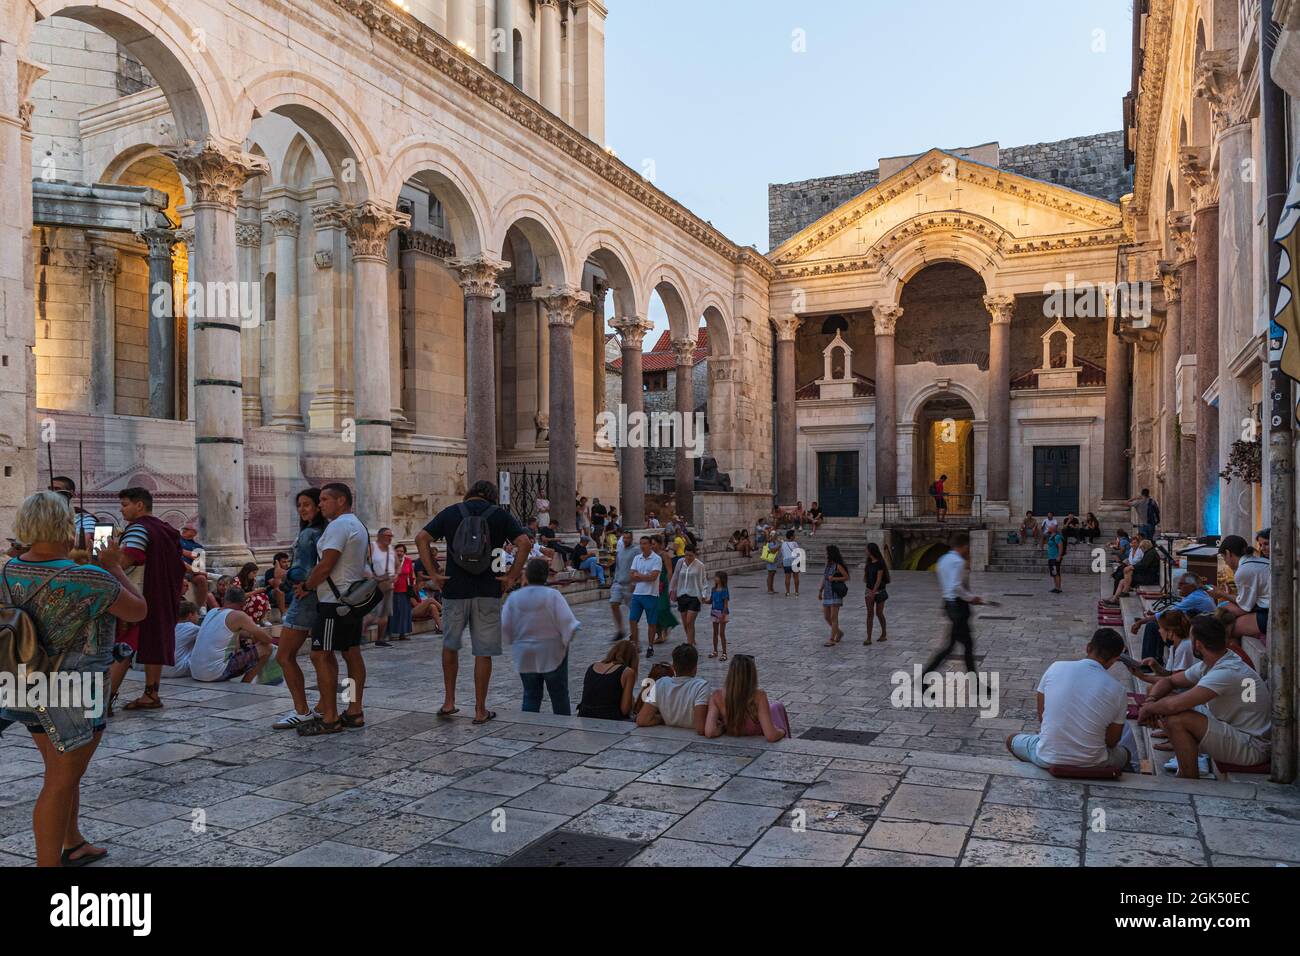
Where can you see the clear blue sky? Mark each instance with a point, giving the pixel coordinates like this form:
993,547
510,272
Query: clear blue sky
714,95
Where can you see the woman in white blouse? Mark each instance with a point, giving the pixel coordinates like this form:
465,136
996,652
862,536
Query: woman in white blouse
689,587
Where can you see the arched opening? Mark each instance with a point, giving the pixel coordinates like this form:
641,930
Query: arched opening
518,51
945,451
945,321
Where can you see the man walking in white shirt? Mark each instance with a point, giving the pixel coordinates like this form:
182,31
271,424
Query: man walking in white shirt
953,571
383,568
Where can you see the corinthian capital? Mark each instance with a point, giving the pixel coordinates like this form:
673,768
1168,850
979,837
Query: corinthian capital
478,274
887,317
28,74
787,326
248,234
632,331
1169,278
684,350
215,173
562,302
1180,231
102,264
1216,81
283,222
368,226
1001,308
159,241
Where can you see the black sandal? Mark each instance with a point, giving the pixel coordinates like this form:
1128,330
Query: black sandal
318,728
66,859
353,721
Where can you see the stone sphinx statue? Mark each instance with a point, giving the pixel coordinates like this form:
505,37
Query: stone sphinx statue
710,479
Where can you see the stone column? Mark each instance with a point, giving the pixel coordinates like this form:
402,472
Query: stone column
21,442
1189,486
1217,81
1115,483
597,351
368,225
102,266
478,278
887,317
787,426
1001,308
685,466
1207,366
162,323
332,355
286,411
632,331
248,239
1170,506
182,272
549,17
505,51
215,174
561,304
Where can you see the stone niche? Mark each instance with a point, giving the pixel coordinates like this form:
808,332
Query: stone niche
831,385
1056,378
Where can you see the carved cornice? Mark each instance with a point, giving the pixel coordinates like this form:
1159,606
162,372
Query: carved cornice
413,240
1096,212
1155,65
407,32
328,215
684,352
886,317
283,223
1217,82
561,302
215,173
632,331
787,327
478,274
368,226
1001,308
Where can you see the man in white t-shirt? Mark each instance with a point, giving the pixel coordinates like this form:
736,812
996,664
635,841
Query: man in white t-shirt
678,701
644,577
187,630
621,591
1225,709
1081,709
383,568
342,549
1252,575
792,559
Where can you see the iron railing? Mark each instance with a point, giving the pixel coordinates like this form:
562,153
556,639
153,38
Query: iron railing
963,511
525,488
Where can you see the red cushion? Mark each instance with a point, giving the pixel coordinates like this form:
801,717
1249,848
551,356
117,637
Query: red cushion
1086,773
1239,768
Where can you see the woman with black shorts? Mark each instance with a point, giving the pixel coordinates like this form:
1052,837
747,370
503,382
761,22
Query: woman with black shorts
876,577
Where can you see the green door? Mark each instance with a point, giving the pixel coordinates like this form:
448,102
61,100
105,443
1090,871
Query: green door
837,483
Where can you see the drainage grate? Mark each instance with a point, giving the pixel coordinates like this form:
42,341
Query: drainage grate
860,737
566,848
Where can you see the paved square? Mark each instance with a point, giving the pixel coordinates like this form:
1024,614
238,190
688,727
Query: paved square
206,782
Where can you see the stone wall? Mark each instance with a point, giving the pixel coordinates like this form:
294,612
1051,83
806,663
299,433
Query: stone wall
1090,164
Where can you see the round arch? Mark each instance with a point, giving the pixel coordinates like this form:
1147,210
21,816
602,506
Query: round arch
442,172
917,402
342,136
610,252
161,36
715,320
539,224
976,243
674,293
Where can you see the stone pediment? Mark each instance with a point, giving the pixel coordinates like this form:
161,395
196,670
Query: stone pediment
941,191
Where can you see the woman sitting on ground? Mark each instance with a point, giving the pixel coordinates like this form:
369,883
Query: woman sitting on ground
745,544
741,708
609,687
1029,529
1139,573
1091,529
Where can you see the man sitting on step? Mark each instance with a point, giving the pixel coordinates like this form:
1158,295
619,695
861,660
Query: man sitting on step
1193,600
1082,710
1225,709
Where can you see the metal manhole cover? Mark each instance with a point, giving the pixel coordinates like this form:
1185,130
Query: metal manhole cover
566,848
833,735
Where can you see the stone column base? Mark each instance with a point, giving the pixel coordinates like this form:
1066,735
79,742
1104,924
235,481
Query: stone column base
997,512
225,559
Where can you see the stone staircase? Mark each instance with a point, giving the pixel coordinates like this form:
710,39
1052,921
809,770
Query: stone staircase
1031,558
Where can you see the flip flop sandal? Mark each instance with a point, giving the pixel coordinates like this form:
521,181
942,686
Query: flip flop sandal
444,714
84,860
318,728
141,704
491,715
723,657
712,656
1163,750
353,721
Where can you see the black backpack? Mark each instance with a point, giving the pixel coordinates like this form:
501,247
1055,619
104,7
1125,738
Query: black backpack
1153,512
471,545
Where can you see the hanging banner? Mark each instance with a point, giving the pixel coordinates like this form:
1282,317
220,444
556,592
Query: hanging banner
1284,334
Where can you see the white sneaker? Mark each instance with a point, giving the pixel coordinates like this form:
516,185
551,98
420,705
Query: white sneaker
293,720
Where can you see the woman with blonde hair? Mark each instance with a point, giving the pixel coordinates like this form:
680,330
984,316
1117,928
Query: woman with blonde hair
741,708
75,609
609,686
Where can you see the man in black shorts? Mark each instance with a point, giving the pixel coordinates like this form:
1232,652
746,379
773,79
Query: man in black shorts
342,550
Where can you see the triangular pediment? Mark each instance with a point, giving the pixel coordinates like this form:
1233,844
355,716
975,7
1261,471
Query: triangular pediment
943,191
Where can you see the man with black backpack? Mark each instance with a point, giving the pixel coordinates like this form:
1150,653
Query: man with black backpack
476,531
1147,513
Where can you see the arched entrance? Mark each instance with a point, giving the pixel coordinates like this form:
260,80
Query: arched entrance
945,446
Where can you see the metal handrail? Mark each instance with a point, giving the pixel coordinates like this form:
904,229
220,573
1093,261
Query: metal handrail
962,510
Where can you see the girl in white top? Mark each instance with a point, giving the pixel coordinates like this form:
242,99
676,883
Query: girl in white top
689,588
